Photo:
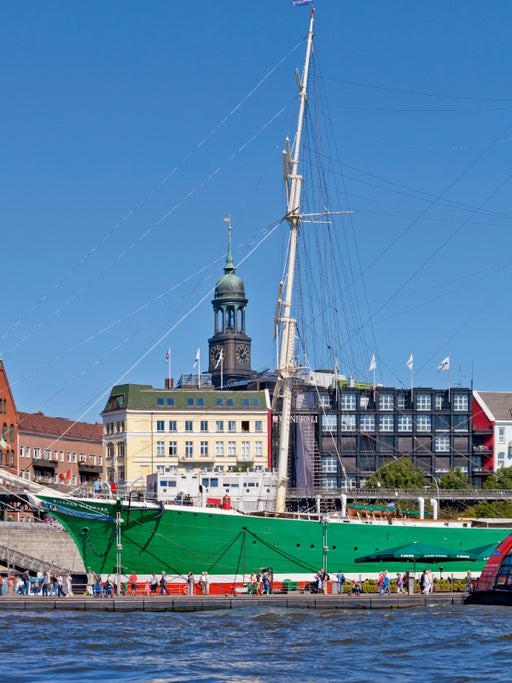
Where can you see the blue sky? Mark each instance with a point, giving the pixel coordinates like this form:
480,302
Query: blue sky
130,130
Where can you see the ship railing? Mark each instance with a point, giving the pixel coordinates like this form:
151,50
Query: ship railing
389,495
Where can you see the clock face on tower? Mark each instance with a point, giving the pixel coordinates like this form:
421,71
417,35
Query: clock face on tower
215,352
242,354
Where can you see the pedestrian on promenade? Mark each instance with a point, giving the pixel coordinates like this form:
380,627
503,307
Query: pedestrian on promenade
399,583
60,586
190,583
91,580
205,583
97,488
108,587
340,576
25,578
266,583
147,587
154,584
54,585
97,588
133,584
386,584
45,584
163,587
468,588
69,583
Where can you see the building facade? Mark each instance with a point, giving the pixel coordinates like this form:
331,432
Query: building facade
340,436
148,430
492,428
9,424
53,450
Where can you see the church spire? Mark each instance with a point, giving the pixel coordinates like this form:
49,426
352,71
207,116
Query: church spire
229,267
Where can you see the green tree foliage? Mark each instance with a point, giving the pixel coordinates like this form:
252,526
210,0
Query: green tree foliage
502,479
398,474
454,479
500,509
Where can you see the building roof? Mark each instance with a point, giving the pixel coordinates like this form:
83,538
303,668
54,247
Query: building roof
37,423
499,403
144,397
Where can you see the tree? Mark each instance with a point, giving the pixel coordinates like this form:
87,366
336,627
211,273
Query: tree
502,479
499,509
398,474
454,479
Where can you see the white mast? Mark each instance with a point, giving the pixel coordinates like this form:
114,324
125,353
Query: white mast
287,366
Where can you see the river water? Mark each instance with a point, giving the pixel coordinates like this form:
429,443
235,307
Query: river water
443,643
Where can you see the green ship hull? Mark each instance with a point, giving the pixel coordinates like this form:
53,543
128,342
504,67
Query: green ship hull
175,539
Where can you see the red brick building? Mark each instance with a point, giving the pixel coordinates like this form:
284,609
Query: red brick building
53,450
8,425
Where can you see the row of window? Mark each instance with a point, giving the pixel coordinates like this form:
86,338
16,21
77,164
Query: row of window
57,456
198,401
386,423
218,468
204,426
114,427
220,448
386,401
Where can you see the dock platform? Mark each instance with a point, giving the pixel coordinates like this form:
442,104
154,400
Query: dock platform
203,603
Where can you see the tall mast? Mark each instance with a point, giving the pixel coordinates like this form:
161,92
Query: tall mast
287,365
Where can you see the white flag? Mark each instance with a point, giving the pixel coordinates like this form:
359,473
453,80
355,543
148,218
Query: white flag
373,364
410,363
197,358
444,364
220,359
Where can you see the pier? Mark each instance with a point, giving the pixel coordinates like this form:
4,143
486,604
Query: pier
206,603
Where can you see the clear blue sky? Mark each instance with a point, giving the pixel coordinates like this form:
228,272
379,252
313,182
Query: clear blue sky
103,252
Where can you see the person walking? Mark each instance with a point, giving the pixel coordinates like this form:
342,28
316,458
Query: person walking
60,586
163,587
132,583
45,584
205,583
69,583
386,584
340,577
154,583
190,583
91,580
399,583
25,578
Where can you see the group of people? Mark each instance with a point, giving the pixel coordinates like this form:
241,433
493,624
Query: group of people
154,585
44,584
260,583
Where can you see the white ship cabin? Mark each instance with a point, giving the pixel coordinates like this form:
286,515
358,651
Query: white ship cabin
250,491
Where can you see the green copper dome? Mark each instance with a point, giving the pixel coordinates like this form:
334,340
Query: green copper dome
229,285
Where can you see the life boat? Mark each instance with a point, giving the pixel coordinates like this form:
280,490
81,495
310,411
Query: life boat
494,587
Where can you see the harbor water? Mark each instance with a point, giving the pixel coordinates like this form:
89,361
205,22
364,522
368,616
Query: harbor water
442,643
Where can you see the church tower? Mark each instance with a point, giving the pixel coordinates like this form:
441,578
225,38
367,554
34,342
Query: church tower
230,347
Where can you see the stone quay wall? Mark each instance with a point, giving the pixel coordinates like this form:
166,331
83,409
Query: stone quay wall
45,542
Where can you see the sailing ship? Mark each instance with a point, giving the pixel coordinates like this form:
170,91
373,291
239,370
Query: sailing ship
124,534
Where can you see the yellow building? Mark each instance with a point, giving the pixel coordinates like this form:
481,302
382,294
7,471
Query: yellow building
146,430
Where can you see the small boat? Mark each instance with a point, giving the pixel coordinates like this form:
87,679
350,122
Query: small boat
494,586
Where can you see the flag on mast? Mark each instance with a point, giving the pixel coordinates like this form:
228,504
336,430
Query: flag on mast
410,362
444,364
298,3
373,364
168,354
197,358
